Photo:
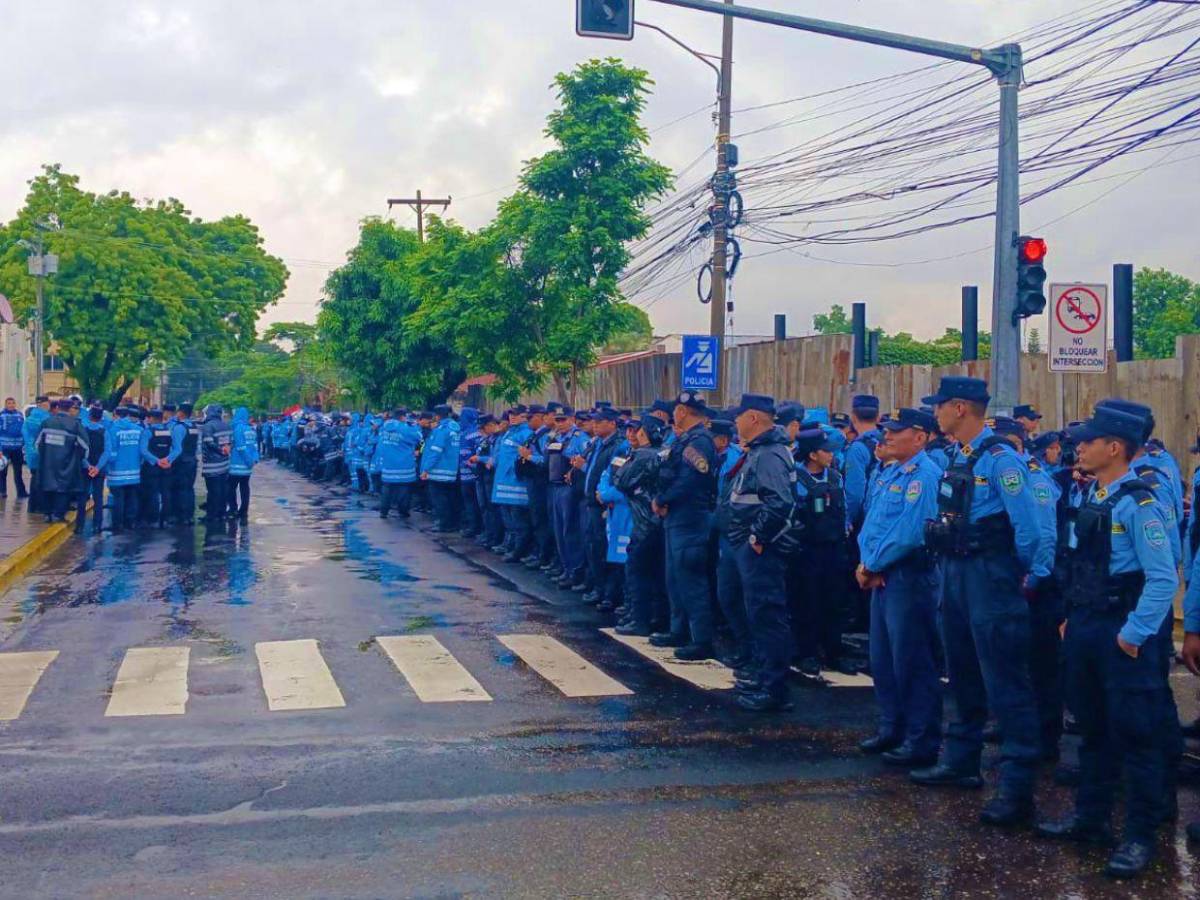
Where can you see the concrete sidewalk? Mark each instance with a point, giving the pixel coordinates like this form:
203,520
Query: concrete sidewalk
25,538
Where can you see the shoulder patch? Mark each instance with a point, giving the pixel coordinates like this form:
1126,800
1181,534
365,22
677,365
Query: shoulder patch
1011,480
1117,528
695,459
1156,534
913,491
1041,493
980,480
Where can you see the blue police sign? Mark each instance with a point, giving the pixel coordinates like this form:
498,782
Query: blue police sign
701,359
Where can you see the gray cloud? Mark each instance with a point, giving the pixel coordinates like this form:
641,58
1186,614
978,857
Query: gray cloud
306,115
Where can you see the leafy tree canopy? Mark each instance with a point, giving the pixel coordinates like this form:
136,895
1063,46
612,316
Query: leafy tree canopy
139,282
1165,305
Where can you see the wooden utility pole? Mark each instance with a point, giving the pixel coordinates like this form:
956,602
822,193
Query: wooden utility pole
419,203
717,311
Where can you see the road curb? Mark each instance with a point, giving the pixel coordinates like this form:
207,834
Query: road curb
33,551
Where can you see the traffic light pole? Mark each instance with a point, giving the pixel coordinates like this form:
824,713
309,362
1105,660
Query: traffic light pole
1004,63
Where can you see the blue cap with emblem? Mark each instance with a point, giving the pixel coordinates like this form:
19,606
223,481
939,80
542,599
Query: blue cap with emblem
1107,421
564,412
1005,426
693,401
908,417
1026,411
959,387
661,405
606,414
840,420
721,427
1044,441
811,441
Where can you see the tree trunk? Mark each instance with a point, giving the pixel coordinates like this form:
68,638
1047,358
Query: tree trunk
560,389
117,393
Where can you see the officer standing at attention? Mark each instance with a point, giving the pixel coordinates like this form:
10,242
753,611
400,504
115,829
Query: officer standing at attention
599,457
728,582
903,578
216,440
860,455
1191,643
509,492
183,467
439,467
156,465
818,587
95,463
1028,417
988,535
763,527
1122,581
686,498
125,468
12,445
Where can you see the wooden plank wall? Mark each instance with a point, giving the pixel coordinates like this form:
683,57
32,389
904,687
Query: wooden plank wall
816,370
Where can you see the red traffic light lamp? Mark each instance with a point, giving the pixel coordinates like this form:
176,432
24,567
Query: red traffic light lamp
1032,250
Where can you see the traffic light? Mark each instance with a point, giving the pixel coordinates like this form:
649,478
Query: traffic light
1031,277
604,19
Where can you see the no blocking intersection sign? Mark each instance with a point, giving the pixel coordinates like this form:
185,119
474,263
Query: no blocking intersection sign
1078,328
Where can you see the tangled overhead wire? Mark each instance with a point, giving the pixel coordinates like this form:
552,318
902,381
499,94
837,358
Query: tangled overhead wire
904,155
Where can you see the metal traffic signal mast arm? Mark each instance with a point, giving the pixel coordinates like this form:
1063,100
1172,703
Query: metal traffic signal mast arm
1005,63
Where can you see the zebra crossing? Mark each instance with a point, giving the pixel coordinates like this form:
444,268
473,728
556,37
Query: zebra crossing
294,675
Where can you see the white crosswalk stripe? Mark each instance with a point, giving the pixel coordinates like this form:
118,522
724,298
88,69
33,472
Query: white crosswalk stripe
152,681
708,674
562,667
295,676
434,675
19,675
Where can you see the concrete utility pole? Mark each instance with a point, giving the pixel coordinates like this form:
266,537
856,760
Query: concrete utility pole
1005,64
419,203
717,308
38,350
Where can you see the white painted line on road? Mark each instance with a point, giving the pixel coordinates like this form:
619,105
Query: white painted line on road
562,667
295,676
19,674
708,674
838,679
152,681
435,675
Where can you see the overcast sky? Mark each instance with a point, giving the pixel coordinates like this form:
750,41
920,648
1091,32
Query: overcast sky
307,115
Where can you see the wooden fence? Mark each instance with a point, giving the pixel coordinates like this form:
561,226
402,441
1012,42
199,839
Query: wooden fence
817,371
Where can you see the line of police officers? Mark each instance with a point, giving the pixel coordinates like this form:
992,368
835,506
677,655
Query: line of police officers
1034,572
147,458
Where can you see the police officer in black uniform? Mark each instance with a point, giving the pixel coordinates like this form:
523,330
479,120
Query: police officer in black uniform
183,470
687,494
157,475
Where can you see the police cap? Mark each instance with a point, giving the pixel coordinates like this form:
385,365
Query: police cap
1045,440
909,417
442,409
1107,421
606,414
661,405
1141,410
186,408
536,409
959,387
1026,411
840,420
789,411
169,407
602,404
812,440
1005,426
693,400
721,427
867,403
654,427
563,411
763,403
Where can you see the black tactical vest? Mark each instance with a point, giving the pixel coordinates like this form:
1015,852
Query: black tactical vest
160,441
1090,584
191,439
953,533
823,509
557,464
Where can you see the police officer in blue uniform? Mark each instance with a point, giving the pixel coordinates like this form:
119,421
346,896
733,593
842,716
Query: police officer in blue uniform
1027,416
903,578
860,455
1191,641
728,584
599,457
686,498
988,535
1122,583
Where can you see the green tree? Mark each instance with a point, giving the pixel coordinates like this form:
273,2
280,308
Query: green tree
139,282
534,294
366,322
1034,344
1165,305
632,333
833,322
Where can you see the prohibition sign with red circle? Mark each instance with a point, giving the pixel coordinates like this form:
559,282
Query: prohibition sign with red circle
1081,307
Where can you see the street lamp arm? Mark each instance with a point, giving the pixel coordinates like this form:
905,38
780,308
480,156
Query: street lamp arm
703,57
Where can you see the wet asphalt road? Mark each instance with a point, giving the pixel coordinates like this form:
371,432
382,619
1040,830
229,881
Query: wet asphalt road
669,791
